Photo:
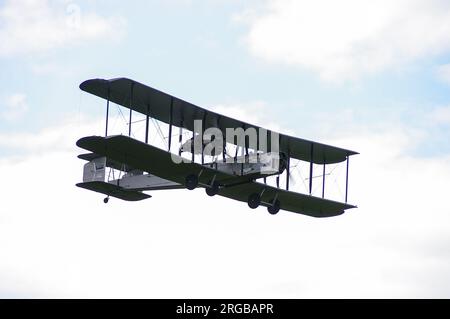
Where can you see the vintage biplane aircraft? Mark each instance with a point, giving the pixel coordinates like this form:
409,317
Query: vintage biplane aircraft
240,176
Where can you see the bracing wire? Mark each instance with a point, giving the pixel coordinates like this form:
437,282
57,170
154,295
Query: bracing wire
124,119
160,133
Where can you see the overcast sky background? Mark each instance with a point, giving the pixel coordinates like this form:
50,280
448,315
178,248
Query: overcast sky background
371,76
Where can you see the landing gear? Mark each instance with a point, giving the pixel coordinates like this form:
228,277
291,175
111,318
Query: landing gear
254,201
191,182
274,208
106,200
213,189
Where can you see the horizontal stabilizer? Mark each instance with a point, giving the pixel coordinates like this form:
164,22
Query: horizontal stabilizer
114,191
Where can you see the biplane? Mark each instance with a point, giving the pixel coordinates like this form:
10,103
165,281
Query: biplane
204,159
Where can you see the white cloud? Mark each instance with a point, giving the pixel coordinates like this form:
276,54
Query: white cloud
29,26
342,40
441,115
443,73
61,241
47,140
255,112
42,68
15,106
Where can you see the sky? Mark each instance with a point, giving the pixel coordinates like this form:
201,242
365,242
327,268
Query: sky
369,76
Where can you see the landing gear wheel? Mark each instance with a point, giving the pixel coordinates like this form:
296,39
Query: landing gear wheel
191,182
254,201
106,200
275,208
213,190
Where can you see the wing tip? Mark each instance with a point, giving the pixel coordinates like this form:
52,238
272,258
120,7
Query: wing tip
85,85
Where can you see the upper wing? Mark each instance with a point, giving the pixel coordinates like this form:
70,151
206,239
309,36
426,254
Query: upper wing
146,157
158,105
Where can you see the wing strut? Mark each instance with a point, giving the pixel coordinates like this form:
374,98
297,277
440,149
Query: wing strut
257,146
170,123
288,168
311,169
246,142
180,138
224,142
224,148
323,181
131,108
193,146
107,111
147,123
346,180
203,135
